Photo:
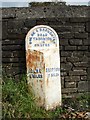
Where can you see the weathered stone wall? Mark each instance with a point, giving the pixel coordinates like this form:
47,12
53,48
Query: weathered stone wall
72,25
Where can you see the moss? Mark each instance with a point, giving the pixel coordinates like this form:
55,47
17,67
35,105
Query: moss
34,4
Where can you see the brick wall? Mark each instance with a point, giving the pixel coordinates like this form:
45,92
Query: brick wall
72,26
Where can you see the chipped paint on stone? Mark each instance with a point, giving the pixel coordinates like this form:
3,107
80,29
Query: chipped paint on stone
43,65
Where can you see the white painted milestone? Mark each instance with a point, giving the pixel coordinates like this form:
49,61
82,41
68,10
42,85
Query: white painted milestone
43,65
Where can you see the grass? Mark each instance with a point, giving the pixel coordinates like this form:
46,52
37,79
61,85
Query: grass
17,102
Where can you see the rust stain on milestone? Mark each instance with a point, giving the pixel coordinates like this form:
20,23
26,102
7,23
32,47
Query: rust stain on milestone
41,82
33,58
40,101
47,82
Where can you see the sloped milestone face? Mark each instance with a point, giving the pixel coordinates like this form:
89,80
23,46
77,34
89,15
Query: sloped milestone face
35,73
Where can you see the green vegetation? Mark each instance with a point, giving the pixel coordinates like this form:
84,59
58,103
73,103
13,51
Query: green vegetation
17,102
79,103
43,4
